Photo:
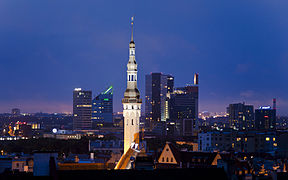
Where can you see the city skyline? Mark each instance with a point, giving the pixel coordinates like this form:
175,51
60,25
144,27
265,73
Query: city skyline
43,58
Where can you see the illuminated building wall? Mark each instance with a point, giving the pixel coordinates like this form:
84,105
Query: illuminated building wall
241,116
102,108
240,141
82,108
131,101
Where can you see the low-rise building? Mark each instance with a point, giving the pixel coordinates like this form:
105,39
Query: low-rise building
239,141
171,157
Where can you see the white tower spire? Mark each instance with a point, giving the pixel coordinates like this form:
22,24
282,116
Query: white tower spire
131,101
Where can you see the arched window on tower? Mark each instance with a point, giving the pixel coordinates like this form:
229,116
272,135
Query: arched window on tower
132,122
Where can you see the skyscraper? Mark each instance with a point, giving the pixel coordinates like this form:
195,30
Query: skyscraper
184,109
265,118
131,101
241,116
82,109
157,87
102,108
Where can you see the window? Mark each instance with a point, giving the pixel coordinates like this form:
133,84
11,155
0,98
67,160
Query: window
163,159
171,159
132,77
132,122
167,159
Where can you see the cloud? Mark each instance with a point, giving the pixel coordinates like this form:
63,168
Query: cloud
247,94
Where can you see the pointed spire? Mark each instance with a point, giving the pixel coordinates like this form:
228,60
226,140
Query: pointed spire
132,22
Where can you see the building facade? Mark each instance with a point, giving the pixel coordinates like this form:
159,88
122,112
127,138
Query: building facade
241,116
158,86
102,108
82,109
239,141
265,118
184,109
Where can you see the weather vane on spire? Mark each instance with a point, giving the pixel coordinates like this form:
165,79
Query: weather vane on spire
132,22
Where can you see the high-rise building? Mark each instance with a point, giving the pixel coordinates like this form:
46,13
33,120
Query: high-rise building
241,116
157,89
184,109
265,118
131,101
82,109
102,108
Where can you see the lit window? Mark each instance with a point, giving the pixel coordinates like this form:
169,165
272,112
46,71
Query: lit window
267,139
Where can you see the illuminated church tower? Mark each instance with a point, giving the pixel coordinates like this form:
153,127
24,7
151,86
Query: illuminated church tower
131,101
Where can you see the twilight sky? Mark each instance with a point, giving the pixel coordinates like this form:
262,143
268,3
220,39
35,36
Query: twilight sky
50,47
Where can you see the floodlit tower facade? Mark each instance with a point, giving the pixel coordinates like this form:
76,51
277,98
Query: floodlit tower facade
131,101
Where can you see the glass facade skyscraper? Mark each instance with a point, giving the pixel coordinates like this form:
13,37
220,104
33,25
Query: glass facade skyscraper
184,109
157,86
102,108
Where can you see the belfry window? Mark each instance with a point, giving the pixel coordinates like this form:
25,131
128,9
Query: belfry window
132,78
132,122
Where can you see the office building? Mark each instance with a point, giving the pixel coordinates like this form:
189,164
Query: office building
158,86
265,118
102,108
82,109
184,109
241,116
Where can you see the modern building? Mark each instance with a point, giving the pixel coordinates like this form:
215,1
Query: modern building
241,116
265,118
82,109
184,109
102,108
131,101
157,89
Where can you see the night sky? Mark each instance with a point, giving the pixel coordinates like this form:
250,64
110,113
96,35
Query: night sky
50,47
